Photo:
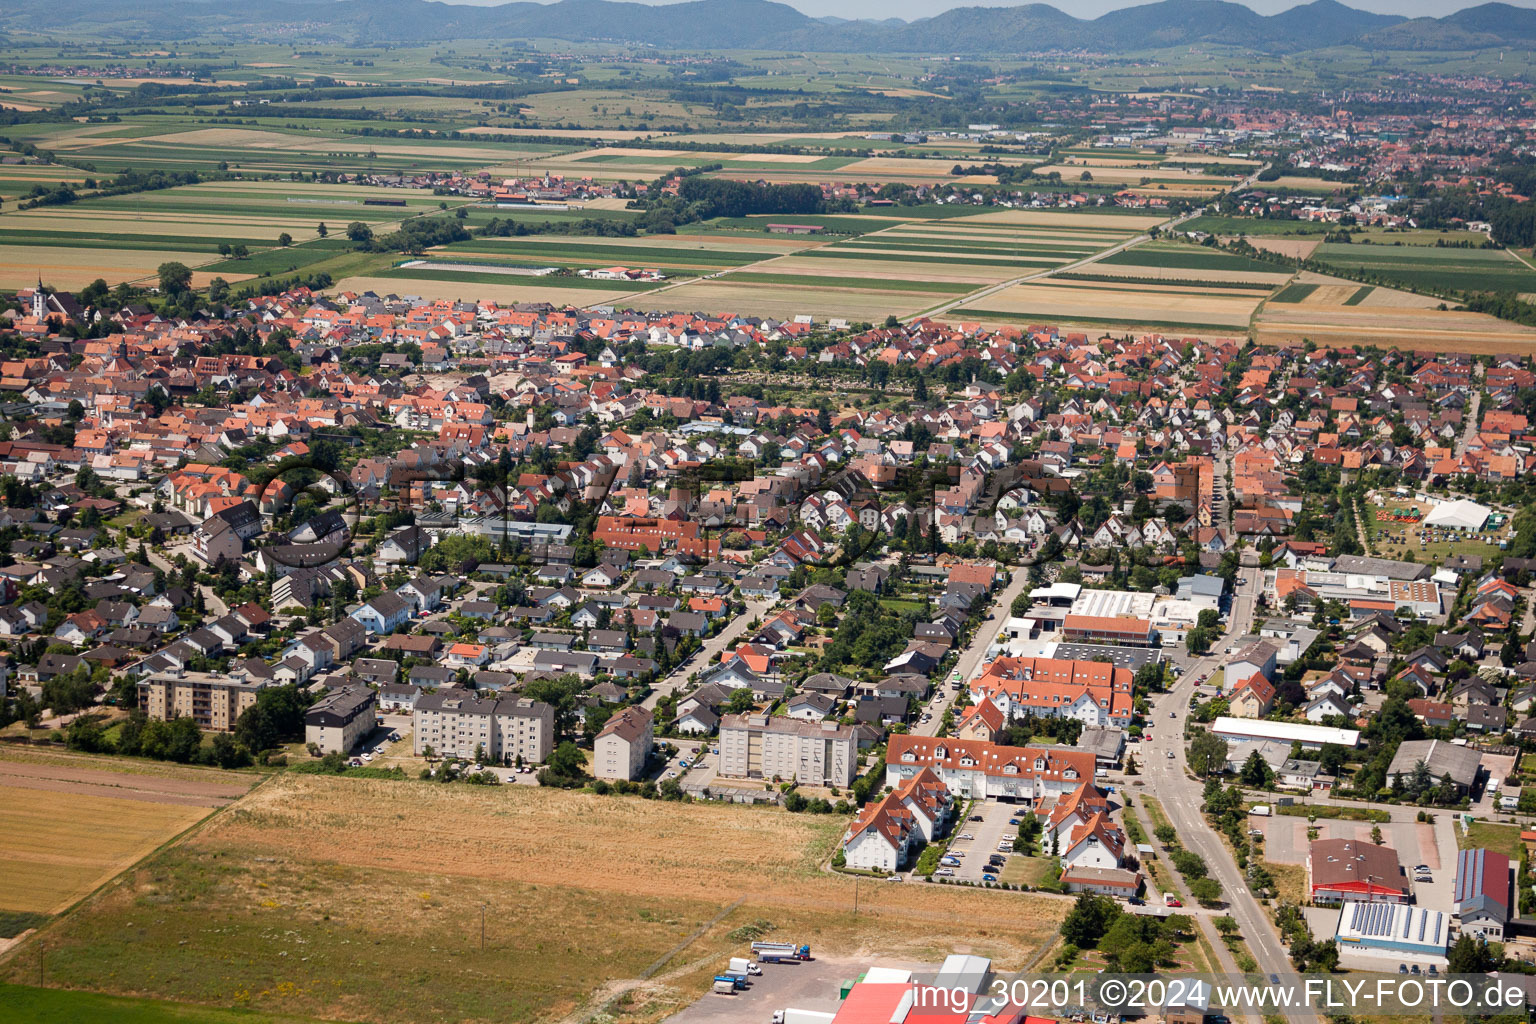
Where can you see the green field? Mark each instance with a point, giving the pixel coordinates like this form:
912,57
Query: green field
1432,269
1294,292
471,277
1178,256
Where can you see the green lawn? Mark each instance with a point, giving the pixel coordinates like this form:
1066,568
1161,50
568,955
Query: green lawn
61,1006
1030,871
1485,835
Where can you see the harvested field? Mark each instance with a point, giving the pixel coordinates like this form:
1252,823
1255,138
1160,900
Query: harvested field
270,879
69,824
72,268
1297,248
1152,305
1391,298
1410,328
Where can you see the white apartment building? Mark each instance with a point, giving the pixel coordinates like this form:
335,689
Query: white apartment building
757,746
455,723
620,748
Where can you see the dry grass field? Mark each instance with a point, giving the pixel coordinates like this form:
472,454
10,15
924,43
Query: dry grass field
1128,305
71,823
74,268
589,902
1377,323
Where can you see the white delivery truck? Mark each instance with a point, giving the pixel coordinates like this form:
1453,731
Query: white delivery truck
741,965
1262,810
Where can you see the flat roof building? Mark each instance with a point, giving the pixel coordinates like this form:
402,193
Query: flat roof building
1310,737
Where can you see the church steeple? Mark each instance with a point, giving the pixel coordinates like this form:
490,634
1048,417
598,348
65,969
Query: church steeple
39,301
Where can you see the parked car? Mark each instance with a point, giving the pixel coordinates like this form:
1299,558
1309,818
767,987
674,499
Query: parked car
945,872
1170,900
976,817
988,878
1170,755
965,835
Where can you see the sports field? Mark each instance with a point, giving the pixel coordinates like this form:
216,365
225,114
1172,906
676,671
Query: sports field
586,899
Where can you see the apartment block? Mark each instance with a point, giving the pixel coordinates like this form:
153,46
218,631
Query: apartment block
757,746
342,717
625,741
214,702
455,723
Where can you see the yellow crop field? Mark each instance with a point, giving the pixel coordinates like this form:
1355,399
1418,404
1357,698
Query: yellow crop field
68,825
74,268
1150,304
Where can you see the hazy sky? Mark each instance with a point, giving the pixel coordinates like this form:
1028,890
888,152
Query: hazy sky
911,9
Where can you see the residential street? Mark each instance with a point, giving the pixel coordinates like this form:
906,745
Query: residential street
1180,795
971,658
216,608
709,655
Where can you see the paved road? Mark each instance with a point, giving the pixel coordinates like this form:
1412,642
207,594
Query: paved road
710,654
1469,430
971,658
1180,795
216,608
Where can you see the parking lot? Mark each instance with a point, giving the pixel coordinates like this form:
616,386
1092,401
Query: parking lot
988,832
805,985
1285,842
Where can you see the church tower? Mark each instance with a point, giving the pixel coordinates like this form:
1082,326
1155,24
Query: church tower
40,302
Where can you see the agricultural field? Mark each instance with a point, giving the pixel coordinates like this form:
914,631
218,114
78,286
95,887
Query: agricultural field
124,238
1130,306
1177,262
1432,269
184,143
386,926
71,823
863,267
1153,285
1379,318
